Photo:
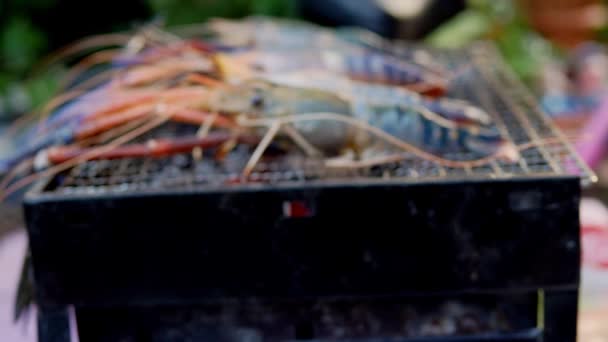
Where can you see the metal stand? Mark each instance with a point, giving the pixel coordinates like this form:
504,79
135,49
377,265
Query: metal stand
53,325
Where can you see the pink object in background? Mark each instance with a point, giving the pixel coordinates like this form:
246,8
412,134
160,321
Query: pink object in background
594,232
594,134
12,249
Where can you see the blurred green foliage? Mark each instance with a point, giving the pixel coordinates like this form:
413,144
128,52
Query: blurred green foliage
500,21
192,11
23,42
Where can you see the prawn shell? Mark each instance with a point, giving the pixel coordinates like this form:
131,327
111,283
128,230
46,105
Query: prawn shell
382,69
410,126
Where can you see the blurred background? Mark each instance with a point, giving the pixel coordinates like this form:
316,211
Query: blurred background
557,47
563,64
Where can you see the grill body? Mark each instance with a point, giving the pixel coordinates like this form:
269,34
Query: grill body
360,240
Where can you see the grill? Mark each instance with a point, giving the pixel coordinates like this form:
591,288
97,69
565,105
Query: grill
178,249
485,81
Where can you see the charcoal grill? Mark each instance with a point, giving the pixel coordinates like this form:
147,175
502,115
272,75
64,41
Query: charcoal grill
179,250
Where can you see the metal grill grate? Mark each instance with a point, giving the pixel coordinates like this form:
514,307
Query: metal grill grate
486,82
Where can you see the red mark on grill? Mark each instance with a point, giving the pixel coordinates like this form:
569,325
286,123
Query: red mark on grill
296,209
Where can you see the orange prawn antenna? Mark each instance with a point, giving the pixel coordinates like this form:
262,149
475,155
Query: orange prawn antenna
197,117
96,80
153,147
104,40
55,103
158,119
40,114
145,74
204,80
15,171
23,182
200,46
96,58
142,97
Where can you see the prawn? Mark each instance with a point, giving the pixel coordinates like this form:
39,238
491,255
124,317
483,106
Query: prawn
323,122
450,109
355,124
292,39
364,66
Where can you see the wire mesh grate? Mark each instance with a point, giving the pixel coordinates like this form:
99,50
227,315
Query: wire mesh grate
486,82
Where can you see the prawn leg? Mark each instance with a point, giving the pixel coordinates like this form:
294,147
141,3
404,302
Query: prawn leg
262,146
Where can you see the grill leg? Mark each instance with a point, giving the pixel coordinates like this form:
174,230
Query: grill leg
53,325
560,316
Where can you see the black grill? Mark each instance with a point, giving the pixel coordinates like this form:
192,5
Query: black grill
177,249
